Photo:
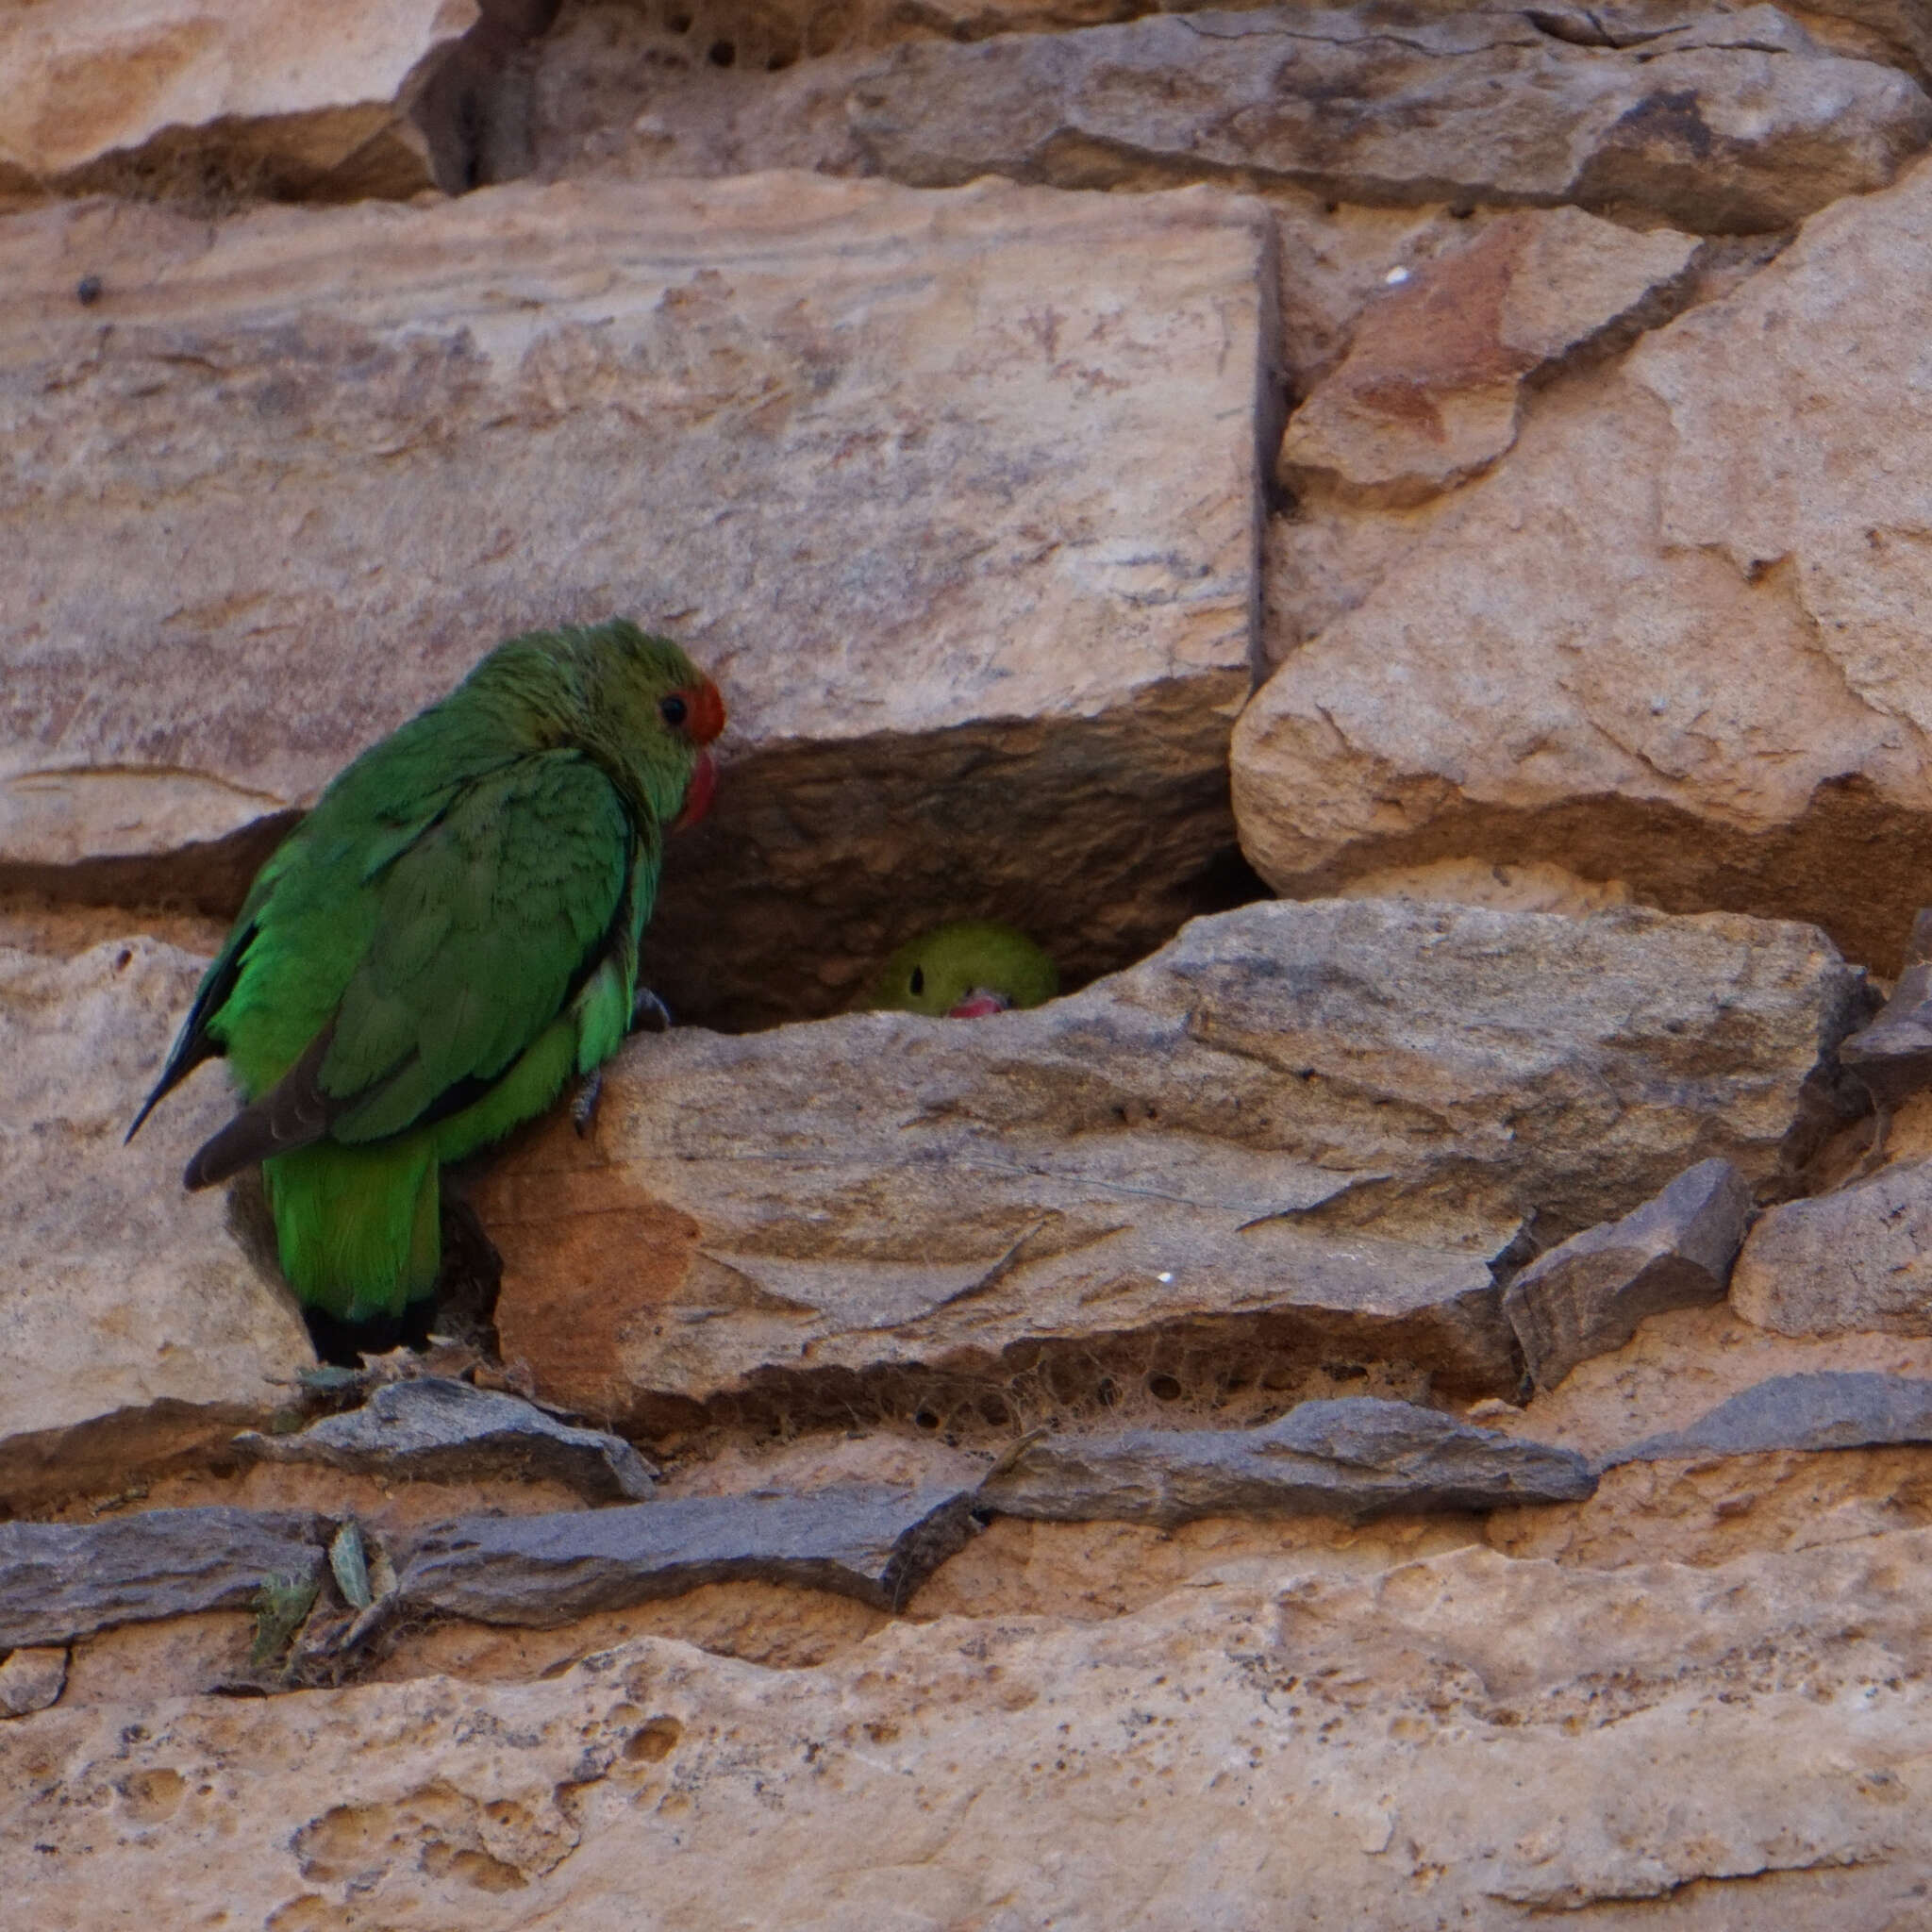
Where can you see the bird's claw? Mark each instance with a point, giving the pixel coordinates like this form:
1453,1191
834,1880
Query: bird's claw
583,1109
648,1013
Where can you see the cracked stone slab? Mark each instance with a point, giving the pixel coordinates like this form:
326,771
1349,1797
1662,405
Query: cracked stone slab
429,1429
176,94
61,1581
1356,1458
1735,121
970,548
1297,1134
1826,1409
1586,1296
133,1324
870,1540
1689,638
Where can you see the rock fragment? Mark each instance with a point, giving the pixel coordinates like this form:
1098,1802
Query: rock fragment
1892,1057
1826,1409
874,1542
1859,1259
970,548
1297,1134
240,99
32,1679
134,1324
1728,123
61,1581
430,1429
1430,392
1586,1296
1356,1458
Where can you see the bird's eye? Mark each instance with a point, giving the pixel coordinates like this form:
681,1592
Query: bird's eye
917,981
674,711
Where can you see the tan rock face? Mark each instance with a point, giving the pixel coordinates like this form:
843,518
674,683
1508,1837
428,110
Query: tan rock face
1430,390
971,550
1296,1134
133,1325
1597,1738
177,94
1671,641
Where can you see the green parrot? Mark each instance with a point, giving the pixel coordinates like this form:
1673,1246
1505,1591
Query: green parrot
964,971
438,946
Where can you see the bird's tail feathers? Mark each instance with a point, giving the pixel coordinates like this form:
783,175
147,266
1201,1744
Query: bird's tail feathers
359,1228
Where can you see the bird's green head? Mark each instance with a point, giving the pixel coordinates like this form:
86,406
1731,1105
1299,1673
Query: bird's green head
652,714
964,971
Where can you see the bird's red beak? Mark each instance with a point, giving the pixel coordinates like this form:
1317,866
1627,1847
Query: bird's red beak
978,1004
706,713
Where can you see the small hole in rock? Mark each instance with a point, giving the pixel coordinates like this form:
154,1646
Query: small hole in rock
1163,1387
925,1419
1107,1393
777,63
721,54
678,21
653,1740
994,1412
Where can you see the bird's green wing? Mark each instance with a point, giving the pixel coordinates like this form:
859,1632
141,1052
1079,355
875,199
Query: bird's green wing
480,930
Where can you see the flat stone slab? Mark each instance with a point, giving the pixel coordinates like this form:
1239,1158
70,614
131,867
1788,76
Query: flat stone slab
874,1542
1356,1458
132,1322
1830,1409
430,1429
1299,1133
1726,122
969,543
61,1581
1586,1296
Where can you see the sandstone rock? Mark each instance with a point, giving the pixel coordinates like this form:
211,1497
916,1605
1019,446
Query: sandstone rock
969,573
181,96
61,1581
1465,1738
865,1540
1892,1057
1587,1296
1355,1459
133,1325
1860,1257
1298,1134
32,1679
1686,633
1428,393
1826,1410
1737,122
428,1429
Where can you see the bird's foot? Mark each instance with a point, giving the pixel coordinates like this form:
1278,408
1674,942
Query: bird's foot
583,1109
648,1013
